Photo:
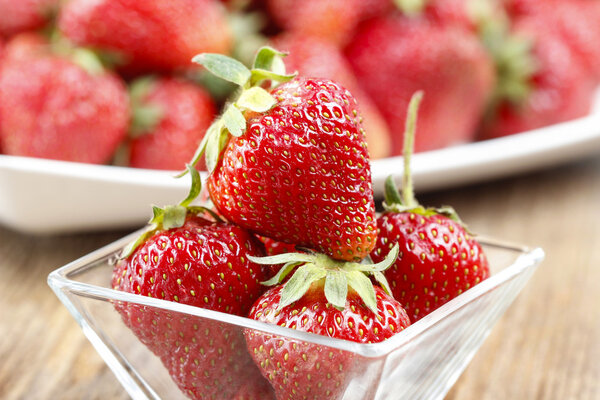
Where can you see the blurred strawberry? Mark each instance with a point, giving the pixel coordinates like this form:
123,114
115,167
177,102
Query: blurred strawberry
53,107
551,86
395,56
331,20
23,15
464,13
576,22
26,45
170,118
319,59
375,8
519,8
148,35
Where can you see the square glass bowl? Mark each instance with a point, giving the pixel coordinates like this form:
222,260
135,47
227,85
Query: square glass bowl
421,362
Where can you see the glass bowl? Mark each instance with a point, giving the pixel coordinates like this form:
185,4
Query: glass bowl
421,362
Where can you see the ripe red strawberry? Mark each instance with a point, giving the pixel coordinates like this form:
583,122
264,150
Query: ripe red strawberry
170,118
332,302
298,169
438,258
148,35
54,108
395,56
557,88
188,259
316,58
330,20
24,15
273,247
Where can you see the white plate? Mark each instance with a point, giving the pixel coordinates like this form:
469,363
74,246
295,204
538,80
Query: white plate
45,196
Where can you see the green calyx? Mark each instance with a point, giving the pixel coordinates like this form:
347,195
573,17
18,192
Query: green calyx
512,54
397,202
172,216
338,277
252,97
145,116
411,7
93,61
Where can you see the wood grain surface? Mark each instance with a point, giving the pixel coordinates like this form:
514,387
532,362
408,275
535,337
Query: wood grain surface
546,346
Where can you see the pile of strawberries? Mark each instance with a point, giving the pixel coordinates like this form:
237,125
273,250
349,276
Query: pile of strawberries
289,176
111,81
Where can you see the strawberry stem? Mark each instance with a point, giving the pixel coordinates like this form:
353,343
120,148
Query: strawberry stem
409,141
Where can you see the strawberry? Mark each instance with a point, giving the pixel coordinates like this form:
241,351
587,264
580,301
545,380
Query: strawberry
185,258
24,15
55,108
320,59
148,35
273,247
297,169
260,390
438,258
25,45
396,55
575,22
541,82
329,298
330,20
170,117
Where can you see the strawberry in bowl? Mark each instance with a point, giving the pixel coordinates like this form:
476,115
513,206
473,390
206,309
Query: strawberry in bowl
186,258
329,327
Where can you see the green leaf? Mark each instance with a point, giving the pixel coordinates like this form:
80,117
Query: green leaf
364,288
384,264
213,147
282,258
224,67
336,288
265,56
133,245
195,187
157,214
299,283
88,60
388,260
278,67
174,217
234,120
198,210
281,274
391,195
256,99
379,277
259,75
201,149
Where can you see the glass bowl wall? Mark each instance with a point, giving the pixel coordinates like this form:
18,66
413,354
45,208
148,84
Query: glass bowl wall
421,362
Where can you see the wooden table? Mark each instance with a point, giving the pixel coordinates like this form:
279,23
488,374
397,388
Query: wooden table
546,346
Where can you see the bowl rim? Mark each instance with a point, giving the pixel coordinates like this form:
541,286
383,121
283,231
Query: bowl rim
60,281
